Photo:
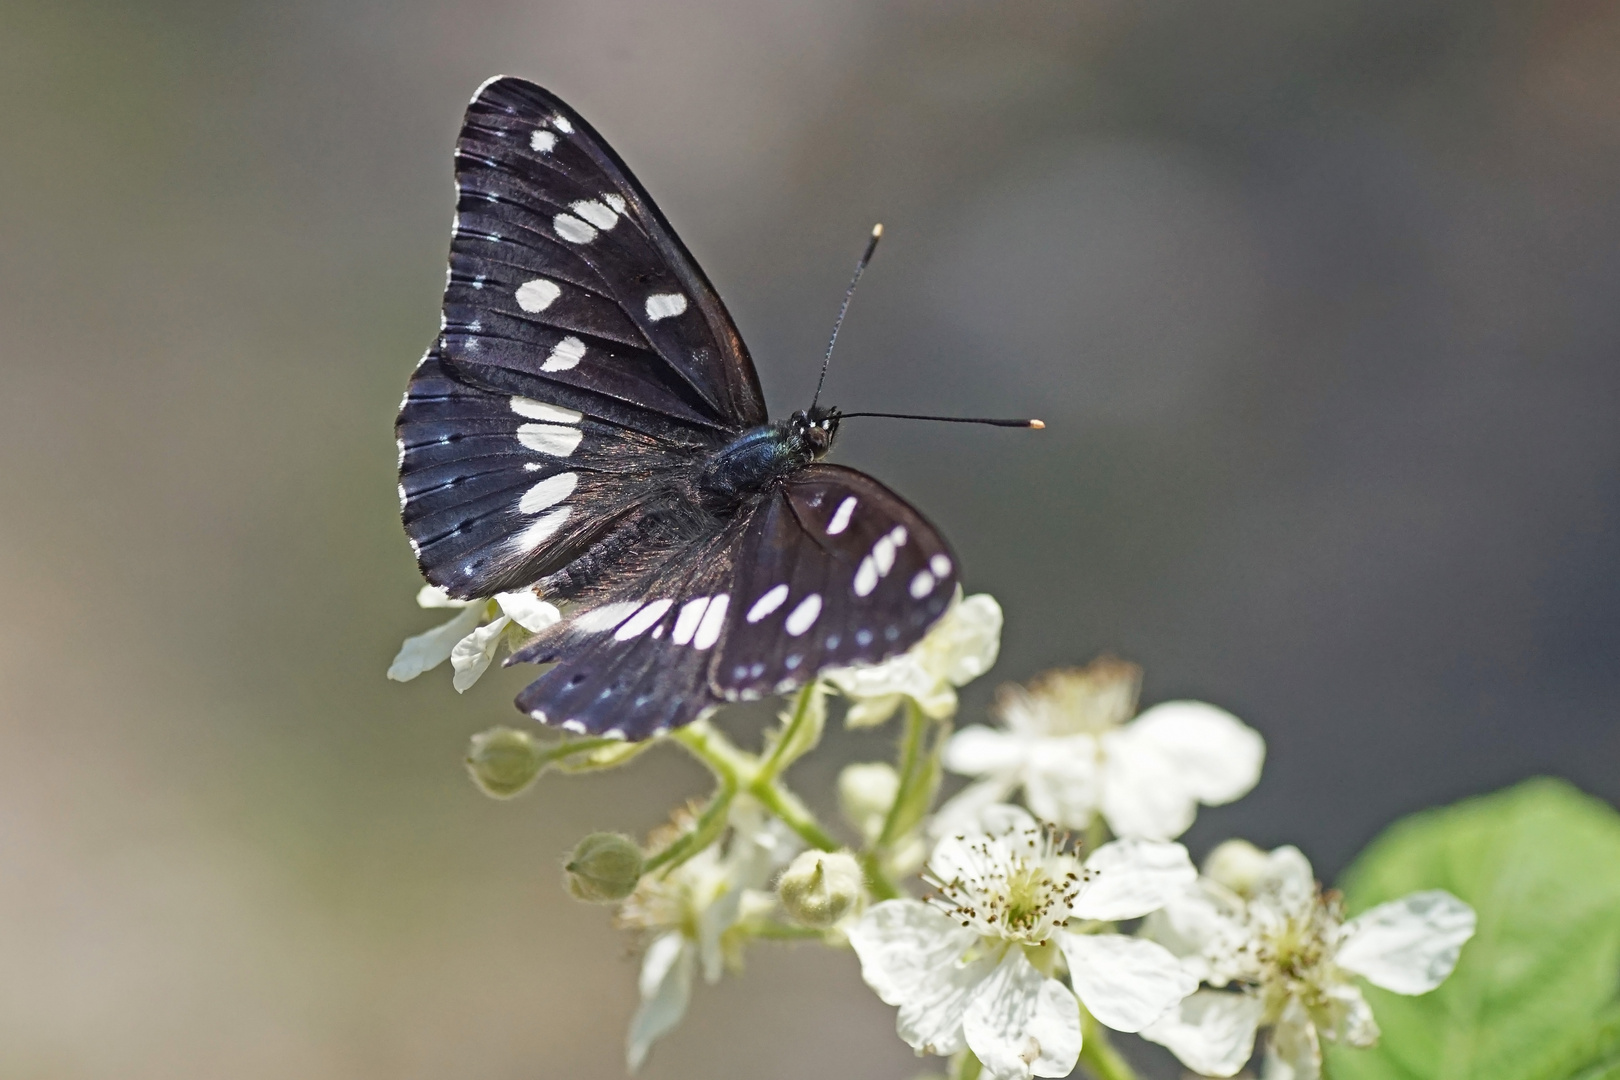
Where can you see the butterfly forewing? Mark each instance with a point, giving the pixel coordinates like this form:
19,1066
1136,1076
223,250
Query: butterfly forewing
563,270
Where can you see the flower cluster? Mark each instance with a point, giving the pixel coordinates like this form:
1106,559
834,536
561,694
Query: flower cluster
1032,930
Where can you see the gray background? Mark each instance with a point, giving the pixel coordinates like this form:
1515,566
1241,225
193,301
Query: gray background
1318,300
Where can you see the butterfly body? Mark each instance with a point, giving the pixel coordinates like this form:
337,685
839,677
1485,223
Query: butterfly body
588,423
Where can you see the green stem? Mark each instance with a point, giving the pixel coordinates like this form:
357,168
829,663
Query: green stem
776,761
964,1066
1098,1055
743,771
703,831
878,882
911,755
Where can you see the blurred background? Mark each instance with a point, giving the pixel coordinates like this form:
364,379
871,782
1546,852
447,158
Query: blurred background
1317,298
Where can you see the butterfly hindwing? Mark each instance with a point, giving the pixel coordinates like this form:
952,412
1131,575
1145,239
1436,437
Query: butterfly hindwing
497,490
835,570
562,269
829,569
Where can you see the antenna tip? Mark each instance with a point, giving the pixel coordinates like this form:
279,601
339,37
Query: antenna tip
1037,423
877,230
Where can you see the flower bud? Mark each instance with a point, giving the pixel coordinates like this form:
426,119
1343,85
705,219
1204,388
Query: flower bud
820,887
504,762
1238,865
604,867
865,792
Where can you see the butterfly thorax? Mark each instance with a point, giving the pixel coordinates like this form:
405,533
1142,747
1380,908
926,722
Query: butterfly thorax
761,457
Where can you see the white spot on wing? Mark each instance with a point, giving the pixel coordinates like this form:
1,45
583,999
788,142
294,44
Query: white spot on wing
605,617
553,439
548,493
883,555
539,410
898,535
767,603
922,584
866,577
573,230
615,201
539,532
537,294
565,354
804,616
639,623
840,518
596,213
665,305
561,124
542,141
940,565
575,726
714,619
686,623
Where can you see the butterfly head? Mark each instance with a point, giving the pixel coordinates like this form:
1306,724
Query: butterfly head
813,430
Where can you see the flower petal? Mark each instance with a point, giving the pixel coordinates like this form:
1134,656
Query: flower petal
1062,786
435,596
1289,878
1292,1051
1408,945
528,610
472,654
666,987
1216,756
1143,794
960,813
1126,983
1129,878
1210,1031
976,750
967,640
428,650
1021,1023
913,956
1203,921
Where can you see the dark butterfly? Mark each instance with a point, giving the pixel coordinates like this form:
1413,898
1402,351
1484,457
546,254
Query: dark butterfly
589,423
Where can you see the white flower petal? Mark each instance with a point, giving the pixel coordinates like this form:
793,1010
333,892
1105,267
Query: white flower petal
1021,1023
1289,878
960,813
1216,756
1143,794
1130,878
1210,1031
870,712
912,956
1292,1051
967,640
976,750
1061,786
1408,945
666,987
1126,983
472,654
1350,1017
1203,920
428,650
434,596
528,610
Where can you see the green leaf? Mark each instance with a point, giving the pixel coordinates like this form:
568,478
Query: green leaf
1533,997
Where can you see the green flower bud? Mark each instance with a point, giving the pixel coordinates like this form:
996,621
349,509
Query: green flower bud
504,762
604,867
820,887
1238,865
866,790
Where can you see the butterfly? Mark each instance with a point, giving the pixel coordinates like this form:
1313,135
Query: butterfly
588,423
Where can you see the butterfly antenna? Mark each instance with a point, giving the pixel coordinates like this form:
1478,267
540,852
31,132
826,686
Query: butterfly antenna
950,419
843,309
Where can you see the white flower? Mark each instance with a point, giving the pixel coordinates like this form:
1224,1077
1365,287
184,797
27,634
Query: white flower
1259,923
468,641
961,647
1066,743
687,912
975,966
